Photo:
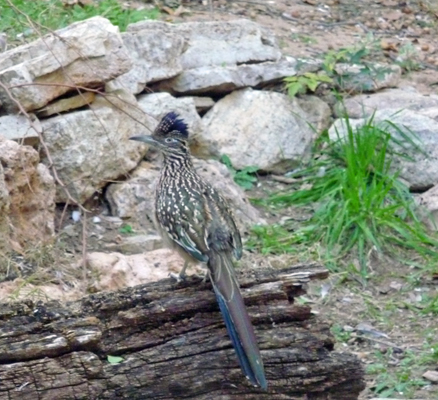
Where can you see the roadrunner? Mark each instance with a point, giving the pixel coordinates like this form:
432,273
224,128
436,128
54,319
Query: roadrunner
196,220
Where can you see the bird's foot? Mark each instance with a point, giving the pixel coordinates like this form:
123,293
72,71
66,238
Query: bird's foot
178,277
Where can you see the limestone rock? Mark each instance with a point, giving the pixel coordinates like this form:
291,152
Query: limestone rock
364,105
91,147
420,173
155,54
202,103
116,271
84,53
201,55
217,42
19,128
258,128
220,79
136,244
63,105
318,112
31,192
135,198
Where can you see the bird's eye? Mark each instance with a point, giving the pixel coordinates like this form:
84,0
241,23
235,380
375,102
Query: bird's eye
169,140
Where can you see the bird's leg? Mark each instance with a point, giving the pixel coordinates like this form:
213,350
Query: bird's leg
182,274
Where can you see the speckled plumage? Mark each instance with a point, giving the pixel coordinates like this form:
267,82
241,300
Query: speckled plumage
196,220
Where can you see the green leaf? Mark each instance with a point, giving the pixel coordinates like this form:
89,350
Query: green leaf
312,85
126,229
226,160
294,88
114,359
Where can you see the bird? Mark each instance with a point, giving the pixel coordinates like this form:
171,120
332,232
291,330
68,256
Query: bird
196,220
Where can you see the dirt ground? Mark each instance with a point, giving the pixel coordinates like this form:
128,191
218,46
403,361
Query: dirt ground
379,320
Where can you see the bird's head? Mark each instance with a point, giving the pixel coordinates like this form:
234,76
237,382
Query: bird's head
170,136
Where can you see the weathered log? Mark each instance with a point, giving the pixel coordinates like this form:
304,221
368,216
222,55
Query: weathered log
173,344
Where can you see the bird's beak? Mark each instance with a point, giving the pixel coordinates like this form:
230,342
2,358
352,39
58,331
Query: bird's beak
146,139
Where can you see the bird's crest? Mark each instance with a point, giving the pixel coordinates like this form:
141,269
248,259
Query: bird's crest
172,124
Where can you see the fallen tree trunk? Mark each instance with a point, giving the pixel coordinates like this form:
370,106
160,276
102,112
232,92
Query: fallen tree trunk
172,344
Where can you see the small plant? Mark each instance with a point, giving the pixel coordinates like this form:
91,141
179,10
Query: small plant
360,205
309,81
408,57
245,178
364,74
340,334
431,304
333,57
126,229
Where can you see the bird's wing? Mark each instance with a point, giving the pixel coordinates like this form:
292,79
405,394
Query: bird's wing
186,223
187,239
226,215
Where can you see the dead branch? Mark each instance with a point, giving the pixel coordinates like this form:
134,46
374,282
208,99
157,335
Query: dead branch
172,344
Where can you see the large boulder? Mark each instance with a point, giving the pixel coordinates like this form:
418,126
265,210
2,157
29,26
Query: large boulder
85,53
89,148
258,128
217,42
155,54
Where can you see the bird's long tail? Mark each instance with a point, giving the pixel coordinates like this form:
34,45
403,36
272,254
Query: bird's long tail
236,318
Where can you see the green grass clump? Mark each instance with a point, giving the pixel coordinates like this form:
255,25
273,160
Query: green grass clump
16,15
359,202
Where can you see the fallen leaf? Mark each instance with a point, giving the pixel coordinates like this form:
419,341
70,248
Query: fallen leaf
114,359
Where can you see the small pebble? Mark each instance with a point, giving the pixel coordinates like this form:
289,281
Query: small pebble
76,216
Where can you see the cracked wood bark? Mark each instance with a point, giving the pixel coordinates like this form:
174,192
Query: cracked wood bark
173,344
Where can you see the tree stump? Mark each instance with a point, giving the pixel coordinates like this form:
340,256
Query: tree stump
172,344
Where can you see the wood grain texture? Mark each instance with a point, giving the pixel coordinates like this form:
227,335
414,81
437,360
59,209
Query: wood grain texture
173,344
